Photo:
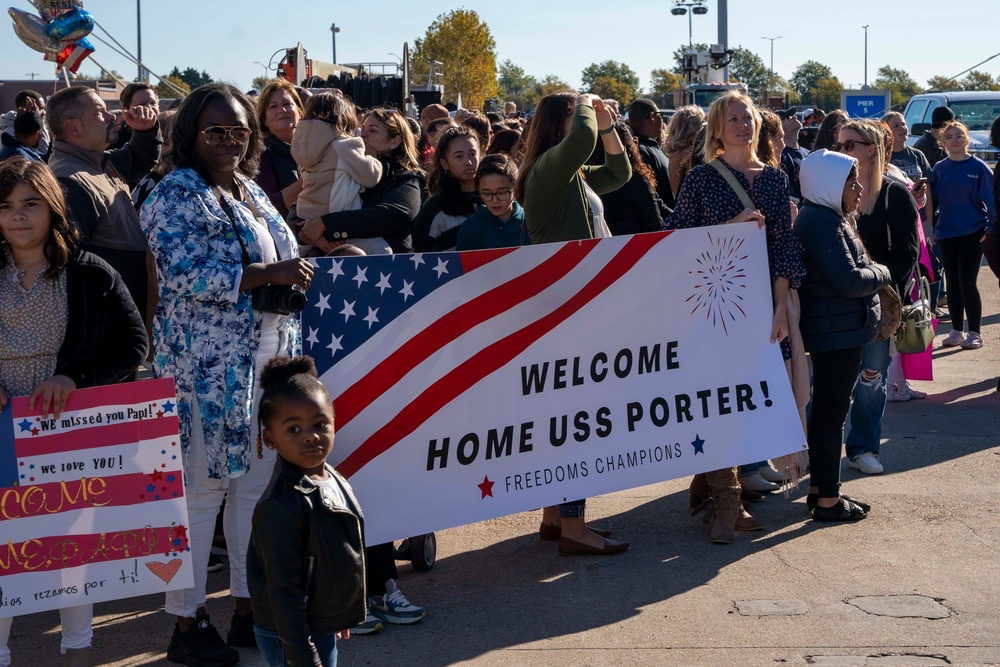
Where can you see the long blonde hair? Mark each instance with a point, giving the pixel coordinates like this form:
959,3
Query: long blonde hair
871,132
717,114
683,128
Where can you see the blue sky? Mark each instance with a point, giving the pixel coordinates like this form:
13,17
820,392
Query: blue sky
225,37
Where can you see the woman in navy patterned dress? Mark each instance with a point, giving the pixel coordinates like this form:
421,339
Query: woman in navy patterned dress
706,199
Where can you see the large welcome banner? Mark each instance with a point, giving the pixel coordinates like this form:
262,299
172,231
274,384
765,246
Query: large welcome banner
92,503
473,385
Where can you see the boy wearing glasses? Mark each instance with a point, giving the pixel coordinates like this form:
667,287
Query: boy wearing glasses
499,222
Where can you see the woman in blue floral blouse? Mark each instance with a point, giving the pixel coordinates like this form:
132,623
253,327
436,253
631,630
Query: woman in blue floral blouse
216,237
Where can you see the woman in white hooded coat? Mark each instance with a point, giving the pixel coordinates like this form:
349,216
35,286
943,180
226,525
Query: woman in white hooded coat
840,314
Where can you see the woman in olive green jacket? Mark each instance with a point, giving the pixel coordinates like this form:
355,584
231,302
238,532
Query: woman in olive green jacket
560,199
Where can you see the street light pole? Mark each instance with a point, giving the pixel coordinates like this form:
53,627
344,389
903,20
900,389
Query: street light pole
866,56
771,39
138,30
333,31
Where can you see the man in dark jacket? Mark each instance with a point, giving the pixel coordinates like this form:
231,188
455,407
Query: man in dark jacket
96,181
646,122
24,142
929,143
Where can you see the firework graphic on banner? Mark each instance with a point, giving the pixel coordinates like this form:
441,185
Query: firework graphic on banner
719,281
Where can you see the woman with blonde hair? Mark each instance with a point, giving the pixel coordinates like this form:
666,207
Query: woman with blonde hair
887,224
707,199
966,214
682,135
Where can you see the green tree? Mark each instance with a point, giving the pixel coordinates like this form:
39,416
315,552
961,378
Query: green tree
463,43
515,84
943,83
259,82
747,67
977,80
192,77
662,84
619,72
609,88
549,84
826,93
899,82
163,91
805,78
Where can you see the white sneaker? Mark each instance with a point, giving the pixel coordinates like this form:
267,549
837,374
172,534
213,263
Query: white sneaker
973,341
954,339
893,394
867,463
905,388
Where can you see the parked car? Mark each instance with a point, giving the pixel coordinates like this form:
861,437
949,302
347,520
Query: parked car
977,109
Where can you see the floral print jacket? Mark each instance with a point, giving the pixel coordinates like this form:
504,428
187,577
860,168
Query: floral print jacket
206,333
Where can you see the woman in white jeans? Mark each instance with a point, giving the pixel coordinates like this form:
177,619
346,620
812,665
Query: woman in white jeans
217,241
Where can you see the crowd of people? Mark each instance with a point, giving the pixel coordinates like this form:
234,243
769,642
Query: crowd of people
177,240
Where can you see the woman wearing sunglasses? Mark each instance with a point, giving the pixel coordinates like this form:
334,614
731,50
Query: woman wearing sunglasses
217,239
887,224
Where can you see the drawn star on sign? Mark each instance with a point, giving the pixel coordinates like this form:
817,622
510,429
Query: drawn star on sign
486,487
698,444
156,475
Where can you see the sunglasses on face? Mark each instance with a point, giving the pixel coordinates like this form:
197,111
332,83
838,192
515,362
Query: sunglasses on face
217,134
848,146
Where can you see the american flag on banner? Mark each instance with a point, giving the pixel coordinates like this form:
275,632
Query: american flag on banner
429,358
91,495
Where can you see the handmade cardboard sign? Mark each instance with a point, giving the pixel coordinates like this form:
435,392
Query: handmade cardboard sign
92,502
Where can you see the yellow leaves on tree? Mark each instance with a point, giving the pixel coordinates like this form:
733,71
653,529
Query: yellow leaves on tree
163,91
463,44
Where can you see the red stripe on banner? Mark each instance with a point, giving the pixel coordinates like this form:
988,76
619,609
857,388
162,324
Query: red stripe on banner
19,502
491,358
147,391
60,552
474,259
95,436
452,325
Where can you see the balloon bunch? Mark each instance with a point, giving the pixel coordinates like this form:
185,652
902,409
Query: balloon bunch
59,31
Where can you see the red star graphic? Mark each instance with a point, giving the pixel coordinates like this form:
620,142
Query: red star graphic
180,532
159,414
31,479
21,463
35,431
486,487
173,444
156,475
163,465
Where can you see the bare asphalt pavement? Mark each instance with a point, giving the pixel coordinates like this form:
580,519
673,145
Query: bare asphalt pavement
916,583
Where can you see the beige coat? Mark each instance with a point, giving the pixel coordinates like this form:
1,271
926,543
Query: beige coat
325,156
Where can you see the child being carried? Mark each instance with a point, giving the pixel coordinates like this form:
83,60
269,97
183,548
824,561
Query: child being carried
334,165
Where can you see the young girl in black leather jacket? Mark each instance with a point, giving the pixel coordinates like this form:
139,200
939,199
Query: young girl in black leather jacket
305,564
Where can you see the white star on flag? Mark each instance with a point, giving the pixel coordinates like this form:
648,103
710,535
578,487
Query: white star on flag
311,338
371,318
442,267
407,290
348,311
335,270
383,284
361,277
324,303
335,345
417,260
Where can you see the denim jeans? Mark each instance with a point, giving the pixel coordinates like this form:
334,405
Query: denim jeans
273,651
869,401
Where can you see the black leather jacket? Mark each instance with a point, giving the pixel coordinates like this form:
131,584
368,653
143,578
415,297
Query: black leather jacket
306,562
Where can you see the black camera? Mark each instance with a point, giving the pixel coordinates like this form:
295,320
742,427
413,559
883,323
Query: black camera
281,300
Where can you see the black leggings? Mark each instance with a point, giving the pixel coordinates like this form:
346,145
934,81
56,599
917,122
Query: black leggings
834,376
380,564
962,257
